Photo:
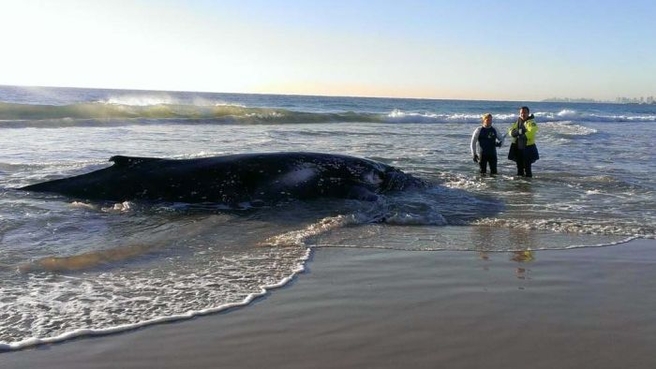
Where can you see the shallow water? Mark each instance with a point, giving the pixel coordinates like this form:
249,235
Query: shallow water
77,267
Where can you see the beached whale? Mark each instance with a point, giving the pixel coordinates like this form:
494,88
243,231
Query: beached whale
235,180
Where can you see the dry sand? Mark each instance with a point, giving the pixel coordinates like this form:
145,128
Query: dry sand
354,308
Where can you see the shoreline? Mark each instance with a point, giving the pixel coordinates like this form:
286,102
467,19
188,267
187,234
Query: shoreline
584,307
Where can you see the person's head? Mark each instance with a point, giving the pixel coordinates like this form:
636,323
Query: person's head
524,112
487,120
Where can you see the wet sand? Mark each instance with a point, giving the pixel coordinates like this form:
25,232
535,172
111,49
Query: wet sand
355,308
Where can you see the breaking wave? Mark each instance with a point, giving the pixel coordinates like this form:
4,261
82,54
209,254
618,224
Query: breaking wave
123,112
85,114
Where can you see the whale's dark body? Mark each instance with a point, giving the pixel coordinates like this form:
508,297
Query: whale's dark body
259,178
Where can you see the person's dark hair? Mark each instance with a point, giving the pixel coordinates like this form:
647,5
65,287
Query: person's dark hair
525,108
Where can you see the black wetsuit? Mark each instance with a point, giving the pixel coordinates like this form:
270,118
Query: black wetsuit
488,139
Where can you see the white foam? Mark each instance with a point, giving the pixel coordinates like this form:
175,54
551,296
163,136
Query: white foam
83,205
299,237
567,113
53,294
407,219
568,128
140,100
572,226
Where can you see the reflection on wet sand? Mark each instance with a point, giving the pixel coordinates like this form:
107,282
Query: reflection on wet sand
525,256
87,260
483,239
522,256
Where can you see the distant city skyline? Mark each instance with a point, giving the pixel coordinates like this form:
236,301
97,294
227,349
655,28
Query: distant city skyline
483,50
619,100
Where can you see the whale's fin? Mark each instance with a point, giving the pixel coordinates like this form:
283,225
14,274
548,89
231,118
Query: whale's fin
128,161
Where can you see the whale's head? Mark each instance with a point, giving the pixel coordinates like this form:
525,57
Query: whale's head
396,180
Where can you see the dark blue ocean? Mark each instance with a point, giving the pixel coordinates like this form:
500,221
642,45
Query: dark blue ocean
74,268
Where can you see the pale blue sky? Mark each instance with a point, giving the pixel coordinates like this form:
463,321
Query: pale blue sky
500,50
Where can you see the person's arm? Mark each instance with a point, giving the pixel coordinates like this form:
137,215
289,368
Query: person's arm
512,128
500,139
531,130
474,142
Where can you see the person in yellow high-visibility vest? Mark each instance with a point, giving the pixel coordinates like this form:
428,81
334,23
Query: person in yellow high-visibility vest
523,150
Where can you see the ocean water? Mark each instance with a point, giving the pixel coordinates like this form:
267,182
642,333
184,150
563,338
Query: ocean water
75,268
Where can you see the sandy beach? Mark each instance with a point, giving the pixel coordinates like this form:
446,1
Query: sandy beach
360,308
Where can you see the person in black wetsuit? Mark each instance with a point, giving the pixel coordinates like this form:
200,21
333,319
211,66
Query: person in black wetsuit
484,143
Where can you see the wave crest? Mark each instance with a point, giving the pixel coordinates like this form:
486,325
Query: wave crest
160,110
